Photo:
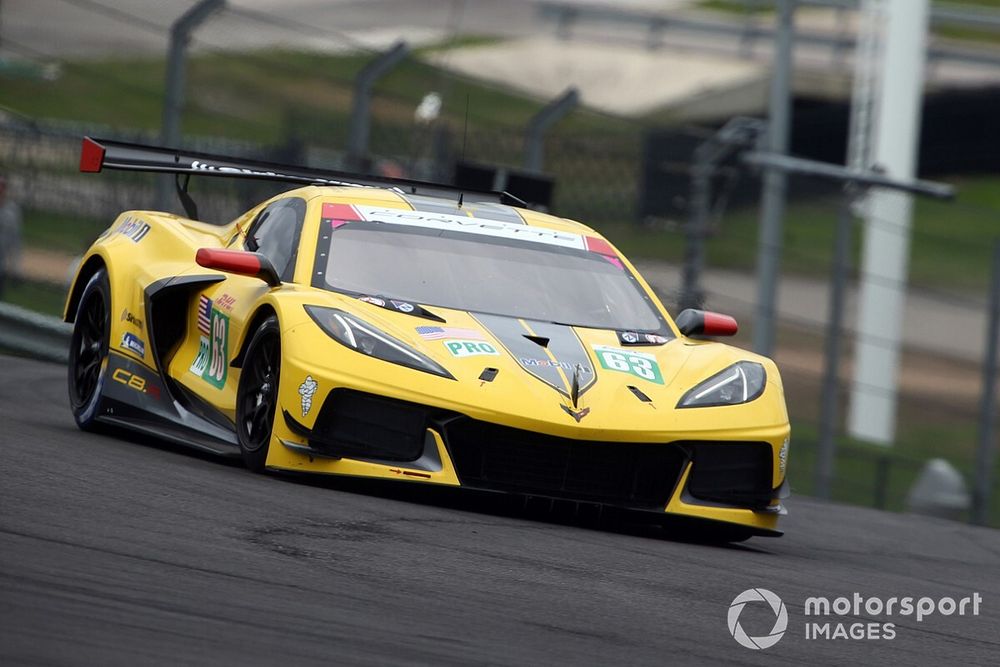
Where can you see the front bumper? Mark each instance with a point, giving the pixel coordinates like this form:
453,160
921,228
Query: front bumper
372,436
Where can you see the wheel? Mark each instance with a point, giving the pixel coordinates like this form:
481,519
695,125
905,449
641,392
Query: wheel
88,350
257,394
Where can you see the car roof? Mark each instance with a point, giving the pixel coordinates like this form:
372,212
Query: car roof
487,210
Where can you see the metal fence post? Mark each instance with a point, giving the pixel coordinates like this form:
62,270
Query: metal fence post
173,98
360,129
748,34
986,454
852,177
882,467
829,395
734,136
775,181
534,140
695,231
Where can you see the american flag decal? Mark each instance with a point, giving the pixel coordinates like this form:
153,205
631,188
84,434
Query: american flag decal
439,333
204,314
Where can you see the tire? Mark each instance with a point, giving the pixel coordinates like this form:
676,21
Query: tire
88,352
257,394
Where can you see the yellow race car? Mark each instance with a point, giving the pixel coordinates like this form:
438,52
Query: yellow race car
403,330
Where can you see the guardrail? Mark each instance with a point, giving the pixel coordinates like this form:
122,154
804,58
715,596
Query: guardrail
747,33
29,333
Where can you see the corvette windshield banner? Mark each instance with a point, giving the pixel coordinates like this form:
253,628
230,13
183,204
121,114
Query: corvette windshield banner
464,223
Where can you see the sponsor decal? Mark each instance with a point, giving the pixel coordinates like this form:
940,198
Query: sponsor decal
225,302
639,364
226,169
212,362
578,415
636,338
204,314
548,363
783,456
201,361
306,391
133,343
469,348
440,333
604,249
463,223
485,210
339,213
218,365
133,228
564,361
392,304
131,319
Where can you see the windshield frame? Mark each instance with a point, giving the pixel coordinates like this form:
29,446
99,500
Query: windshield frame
326,234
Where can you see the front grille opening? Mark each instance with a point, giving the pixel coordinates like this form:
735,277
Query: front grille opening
359,425
489,456
732,473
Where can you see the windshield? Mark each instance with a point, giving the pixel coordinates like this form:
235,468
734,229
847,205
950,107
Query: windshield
477,273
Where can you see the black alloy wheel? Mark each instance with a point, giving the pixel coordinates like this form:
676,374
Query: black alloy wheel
257,394
89,350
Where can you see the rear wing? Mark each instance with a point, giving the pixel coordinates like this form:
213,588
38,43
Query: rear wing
99,154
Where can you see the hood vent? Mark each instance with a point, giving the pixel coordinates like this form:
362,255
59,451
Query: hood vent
639,394
539,340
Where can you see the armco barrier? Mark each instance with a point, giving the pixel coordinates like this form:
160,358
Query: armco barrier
32,334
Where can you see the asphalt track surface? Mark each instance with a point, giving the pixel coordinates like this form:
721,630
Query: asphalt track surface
121,551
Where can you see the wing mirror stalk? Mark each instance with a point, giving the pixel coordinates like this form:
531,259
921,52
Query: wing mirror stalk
239,262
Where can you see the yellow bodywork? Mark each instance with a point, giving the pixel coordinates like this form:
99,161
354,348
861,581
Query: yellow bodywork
167,249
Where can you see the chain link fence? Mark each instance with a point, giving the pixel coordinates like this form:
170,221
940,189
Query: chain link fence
944,340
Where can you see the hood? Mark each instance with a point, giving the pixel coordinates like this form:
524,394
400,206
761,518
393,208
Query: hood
604,383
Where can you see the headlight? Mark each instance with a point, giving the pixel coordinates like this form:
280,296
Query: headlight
359,335
740,383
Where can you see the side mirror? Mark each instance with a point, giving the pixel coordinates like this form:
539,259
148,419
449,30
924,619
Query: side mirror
693,322
239,262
